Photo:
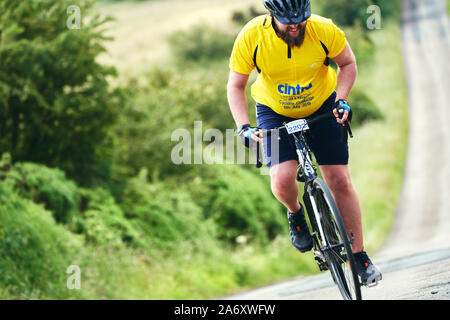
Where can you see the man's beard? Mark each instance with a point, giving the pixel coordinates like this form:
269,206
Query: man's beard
292,42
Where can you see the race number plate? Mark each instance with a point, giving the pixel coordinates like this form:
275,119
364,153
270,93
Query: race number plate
296,126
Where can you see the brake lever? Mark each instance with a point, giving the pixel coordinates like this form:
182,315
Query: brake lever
346,129
258,156
347,124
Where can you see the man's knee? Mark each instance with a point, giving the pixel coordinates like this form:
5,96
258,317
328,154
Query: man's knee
281,184
283,176
340,182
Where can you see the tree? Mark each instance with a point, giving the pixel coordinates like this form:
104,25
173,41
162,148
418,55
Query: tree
346,12
56,104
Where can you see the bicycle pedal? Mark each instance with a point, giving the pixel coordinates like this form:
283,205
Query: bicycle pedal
371,285
374,282
321,264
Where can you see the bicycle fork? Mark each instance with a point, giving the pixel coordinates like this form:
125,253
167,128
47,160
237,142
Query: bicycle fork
313,214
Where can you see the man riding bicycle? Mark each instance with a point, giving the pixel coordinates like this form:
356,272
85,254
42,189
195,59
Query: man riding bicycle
291,48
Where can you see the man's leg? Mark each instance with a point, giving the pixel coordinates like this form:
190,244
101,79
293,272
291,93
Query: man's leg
339,181
285,188
284,184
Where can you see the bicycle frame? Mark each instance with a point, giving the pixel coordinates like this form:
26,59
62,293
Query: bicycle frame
306,166
304,157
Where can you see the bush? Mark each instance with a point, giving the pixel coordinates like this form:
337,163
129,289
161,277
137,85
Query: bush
44,185
361,44
166,101
240,202
166,214
91,212
241,17
103,222
34,251
345,12
349,12
389,9
201,43
364,109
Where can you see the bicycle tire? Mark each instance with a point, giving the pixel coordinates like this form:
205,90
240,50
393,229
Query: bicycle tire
340,259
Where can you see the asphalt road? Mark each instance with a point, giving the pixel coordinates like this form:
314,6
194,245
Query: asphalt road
415,259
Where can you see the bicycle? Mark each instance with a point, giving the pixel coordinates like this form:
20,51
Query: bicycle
331,244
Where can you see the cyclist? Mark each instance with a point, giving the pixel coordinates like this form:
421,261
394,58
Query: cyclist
291,48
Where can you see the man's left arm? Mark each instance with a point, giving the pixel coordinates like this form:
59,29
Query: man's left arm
346,76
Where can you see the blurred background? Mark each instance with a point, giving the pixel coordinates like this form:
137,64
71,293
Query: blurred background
87,112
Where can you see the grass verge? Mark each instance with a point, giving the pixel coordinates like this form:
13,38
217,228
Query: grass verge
378,151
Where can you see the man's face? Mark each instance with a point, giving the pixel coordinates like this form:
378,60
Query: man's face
292,34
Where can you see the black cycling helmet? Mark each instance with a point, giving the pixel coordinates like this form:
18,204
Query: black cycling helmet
289,11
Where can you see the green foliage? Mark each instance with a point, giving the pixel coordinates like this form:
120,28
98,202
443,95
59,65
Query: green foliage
361,44
44,185
150,215
345,12
103,222
201,43
241,17
166,214
241,203
56,106
34,251
167,101
123,0
364,109
349,12
389,9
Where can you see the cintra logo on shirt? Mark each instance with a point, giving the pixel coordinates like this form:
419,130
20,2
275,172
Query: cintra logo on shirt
291,90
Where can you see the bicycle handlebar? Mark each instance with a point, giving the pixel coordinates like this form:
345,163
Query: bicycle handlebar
322,117
311,121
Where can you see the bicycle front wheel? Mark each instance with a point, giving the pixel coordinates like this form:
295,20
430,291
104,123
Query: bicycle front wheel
336,247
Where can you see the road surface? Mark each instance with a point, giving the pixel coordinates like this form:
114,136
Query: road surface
415,259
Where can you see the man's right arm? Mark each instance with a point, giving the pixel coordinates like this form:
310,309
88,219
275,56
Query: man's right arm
237,99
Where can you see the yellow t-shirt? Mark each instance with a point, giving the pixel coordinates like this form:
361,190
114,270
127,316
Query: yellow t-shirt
295,83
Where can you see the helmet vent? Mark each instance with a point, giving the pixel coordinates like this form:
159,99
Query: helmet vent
294,6
289,11
286,6
277,4
270,6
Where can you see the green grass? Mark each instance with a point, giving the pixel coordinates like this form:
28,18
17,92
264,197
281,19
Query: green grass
141,28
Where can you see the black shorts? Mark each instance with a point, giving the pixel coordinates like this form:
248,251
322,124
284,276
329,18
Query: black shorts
324,138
